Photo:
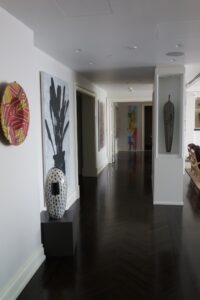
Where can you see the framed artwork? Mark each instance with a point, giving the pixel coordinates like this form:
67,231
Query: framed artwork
101,130
55,124
132,127
197,114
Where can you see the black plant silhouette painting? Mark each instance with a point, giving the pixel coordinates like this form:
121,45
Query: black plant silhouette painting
55,121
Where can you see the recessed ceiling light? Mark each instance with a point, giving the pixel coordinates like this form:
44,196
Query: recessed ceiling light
131,89
179,45
91,63
78,50
175,53
132,47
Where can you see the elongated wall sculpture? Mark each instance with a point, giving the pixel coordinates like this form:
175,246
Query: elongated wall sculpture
169,123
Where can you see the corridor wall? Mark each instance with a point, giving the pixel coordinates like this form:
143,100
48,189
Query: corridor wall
21,184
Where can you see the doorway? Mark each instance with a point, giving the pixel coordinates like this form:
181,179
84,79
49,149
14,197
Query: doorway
148,127
86,136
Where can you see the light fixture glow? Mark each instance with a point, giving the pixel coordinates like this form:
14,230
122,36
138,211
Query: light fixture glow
78,50
132,47
179,45
91,63
131,89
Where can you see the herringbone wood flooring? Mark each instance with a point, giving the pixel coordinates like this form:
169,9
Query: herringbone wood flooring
127,249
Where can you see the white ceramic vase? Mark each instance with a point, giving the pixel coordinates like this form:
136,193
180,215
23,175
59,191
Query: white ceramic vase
56,193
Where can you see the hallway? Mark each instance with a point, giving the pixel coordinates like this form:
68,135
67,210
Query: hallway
127,249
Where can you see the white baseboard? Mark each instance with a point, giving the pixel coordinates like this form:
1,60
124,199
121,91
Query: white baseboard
102,167
168,203
110,161
18,282
73,196
136,150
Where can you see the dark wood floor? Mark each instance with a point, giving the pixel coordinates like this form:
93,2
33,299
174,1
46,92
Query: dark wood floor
127,249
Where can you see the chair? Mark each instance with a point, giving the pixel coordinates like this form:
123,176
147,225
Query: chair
194,158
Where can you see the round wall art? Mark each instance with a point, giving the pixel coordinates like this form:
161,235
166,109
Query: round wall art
14,114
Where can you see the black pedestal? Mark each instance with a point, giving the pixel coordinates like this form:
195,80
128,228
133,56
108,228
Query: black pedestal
59,237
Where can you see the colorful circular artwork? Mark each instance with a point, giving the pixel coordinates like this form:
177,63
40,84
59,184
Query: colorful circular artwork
15,114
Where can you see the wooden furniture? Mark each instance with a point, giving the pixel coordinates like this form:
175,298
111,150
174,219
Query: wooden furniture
59,237
194,159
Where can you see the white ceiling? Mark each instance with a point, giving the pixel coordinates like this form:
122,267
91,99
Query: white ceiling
104,29
117,82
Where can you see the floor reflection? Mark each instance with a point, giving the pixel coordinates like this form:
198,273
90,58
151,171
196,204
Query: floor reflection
127,248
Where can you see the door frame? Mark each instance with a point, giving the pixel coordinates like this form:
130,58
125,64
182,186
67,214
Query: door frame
92,95
85,91
143,123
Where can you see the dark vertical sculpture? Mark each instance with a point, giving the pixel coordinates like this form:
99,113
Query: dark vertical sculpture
169,123
58,107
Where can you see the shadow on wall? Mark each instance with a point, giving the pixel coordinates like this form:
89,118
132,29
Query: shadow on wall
3,140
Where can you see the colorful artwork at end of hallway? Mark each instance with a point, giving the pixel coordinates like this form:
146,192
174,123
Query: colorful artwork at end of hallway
132,127
101,137
55,121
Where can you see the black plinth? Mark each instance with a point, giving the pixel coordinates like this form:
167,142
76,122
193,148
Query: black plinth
59,237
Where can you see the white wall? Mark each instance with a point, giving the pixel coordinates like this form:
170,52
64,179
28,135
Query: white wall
21,251
102,157
116,122
193,92
168,167
123,126
21,184
189,121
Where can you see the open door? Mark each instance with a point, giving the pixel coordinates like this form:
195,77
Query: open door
148,127
86,135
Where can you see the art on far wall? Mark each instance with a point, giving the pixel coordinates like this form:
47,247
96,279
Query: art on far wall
132,127
101,129
55,124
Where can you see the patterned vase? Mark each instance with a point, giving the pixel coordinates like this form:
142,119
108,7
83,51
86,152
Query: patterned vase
56,193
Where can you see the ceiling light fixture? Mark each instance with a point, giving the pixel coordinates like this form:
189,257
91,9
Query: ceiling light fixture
173,60
78,50
131,89
179,45
91,63
132,47
175,53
